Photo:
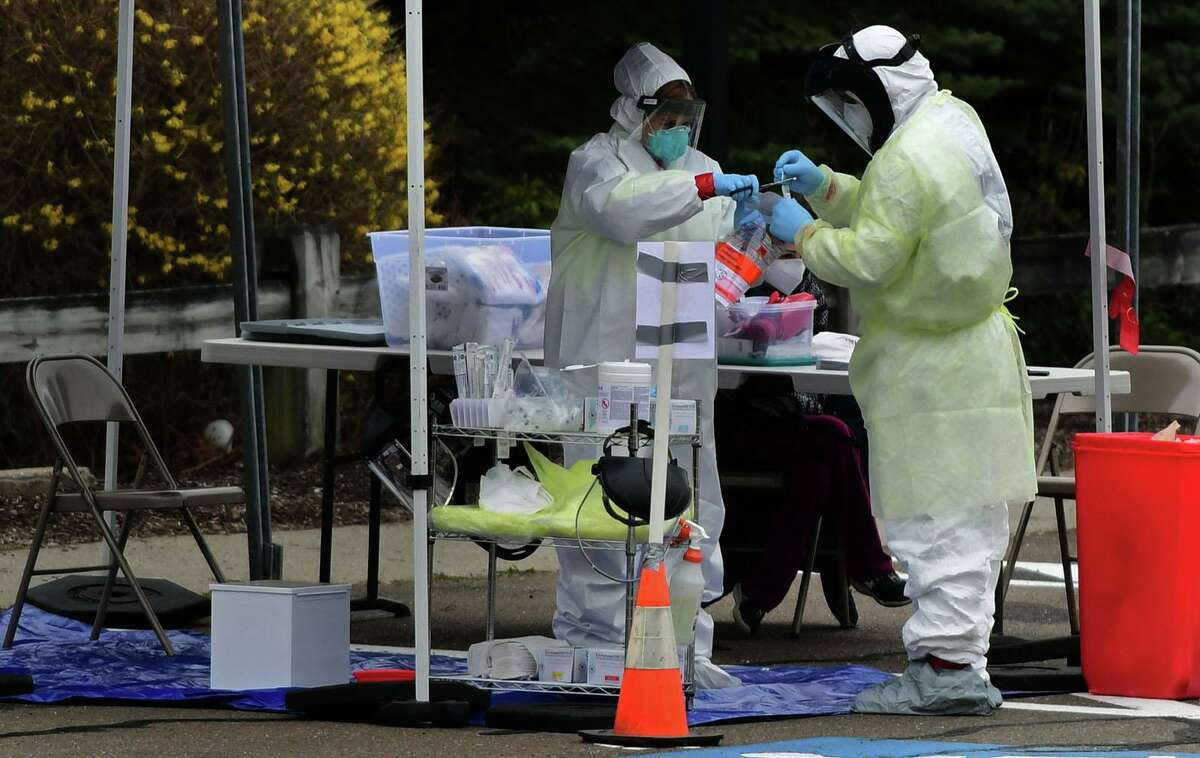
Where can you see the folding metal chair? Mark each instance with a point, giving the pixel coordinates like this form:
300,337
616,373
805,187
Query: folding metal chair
742,488
71,388
1164,379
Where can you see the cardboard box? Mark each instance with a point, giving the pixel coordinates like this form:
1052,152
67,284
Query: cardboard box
683,415
605,666
563,665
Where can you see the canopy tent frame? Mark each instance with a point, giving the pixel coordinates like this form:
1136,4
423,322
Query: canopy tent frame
115,355
1099,260
264,558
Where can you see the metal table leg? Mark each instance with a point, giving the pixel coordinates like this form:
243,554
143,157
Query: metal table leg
372,601
491,596
630,595
630,540
1064,550
374,514
689,669
806,578
327,473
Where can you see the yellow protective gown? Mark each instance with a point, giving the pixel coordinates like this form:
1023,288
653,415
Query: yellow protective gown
939,371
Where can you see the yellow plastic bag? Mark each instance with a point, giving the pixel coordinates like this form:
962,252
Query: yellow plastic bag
567,488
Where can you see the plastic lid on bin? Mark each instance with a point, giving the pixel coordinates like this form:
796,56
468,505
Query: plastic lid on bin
471,232
1136,442
625,373
280,587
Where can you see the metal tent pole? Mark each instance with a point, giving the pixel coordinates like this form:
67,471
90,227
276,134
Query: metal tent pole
265,558
414,71
1129,135
1095,128
706,58
120,221
662,408
1129,53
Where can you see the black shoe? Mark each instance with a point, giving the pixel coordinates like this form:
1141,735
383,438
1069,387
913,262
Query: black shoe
830,587
745,615
887,590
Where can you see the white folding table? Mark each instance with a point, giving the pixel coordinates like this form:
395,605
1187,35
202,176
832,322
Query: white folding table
336,358
1044,381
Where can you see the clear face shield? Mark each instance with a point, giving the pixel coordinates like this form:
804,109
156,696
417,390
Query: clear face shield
849,113
670,127
849,91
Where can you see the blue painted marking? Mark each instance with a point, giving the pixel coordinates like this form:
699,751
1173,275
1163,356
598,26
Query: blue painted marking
845,747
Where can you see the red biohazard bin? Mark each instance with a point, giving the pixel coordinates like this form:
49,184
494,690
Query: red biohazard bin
1139,536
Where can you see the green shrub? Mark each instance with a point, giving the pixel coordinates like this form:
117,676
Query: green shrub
327,115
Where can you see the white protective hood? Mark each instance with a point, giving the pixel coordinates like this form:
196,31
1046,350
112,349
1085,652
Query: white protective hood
907,85
640,72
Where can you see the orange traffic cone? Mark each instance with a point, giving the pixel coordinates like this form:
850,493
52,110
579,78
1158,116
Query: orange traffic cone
650,710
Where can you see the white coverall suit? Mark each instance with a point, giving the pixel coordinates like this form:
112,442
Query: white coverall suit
614,195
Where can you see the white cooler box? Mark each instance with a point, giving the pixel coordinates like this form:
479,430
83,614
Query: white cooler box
279,634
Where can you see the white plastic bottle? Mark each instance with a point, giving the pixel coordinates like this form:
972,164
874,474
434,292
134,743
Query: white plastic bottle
687,584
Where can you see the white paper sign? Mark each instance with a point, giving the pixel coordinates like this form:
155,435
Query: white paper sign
695,303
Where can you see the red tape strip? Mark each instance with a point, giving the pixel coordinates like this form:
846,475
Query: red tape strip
1120,306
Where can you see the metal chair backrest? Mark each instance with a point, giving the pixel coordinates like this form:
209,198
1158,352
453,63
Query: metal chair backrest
73,388
1163,379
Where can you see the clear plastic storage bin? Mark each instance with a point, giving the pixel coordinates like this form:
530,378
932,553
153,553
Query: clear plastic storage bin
483,284
757,333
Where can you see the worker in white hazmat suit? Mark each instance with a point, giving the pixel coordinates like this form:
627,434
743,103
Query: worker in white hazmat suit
643,179
922,243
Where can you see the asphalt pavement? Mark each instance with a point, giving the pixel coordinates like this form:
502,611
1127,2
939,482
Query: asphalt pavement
1068,725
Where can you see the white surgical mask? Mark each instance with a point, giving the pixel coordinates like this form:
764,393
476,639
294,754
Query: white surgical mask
785,274
858,119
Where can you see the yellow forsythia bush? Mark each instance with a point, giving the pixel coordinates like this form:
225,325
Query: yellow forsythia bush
327,116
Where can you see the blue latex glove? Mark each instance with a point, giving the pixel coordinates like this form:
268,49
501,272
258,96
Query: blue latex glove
744,214
787,219
795,165
729,185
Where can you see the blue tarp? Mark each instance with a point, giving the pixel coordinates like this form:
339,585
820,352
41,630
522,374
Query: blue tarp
130,666
784,691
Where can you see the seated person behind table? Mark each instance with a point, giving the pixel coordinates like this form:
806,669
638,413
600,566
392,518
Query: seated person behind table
819,444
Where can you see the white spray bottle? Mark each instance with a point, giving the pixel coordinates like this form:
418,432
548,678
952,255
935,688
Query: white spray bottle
687,584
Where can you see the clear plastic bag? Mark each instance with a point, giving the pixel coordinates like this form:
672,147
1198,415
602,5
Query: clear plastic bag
506,490
742,257
543,401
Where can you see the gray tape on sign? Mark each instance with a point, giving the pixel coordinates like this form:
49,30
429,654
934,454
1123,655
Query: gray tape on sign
670,334
684,273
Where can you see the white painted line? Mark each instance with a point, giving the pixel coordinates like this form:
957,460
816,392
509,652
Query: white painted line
795,755
1047,575
1091,710
1085,710
1051,571
1038,584
1162,708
